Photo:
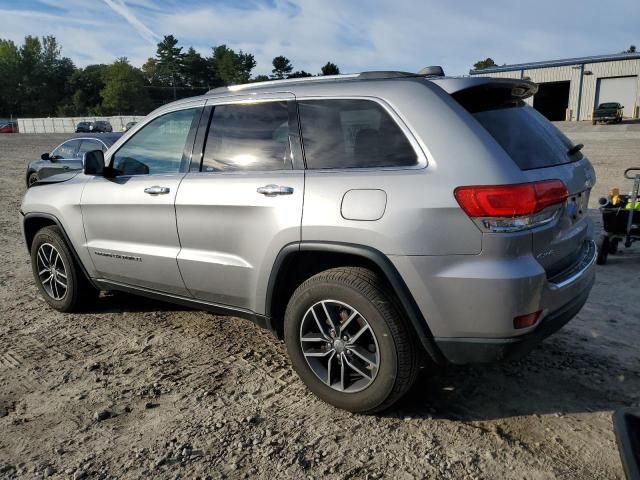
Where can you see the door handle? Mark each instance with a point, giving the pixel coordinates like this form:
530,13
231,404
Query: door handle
273,190
156,190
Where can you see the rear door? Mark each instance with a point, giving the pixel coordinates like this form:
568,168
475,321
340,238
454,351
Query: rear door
244,204
542,153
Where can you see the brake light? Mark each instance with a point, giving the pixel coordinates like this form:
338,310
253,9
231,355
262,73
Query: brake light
509,208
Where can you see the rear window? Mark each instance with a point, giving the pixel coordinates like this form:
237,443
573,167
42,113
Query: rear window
528,137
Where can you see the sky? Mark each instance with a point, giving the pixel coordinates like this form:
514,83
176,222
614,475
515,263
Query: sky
357,35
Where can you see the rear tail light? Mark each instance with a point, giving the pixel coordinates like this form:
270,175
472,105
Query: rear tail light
524,321
508,208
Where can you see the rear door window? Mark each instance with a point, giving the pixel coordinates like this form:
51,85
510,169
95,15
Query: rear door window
530,139
252,137
352,134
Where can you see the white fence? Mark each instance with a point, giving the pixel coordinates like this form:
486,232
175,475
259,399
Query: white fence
68,124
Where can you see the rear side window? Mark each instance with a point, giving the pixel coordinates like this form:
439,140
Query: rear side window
528,137
352,134
248,137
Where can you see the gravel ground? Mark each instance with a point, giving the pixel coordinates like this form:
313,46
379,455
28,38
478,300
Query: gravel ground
141,389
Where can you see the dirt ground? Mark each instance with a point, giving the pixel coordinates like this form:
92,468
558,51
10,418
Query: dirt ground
141,389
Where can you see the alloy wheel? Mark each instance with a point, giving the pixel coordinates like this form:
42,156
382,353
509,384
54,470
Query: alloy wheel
52,271
339,346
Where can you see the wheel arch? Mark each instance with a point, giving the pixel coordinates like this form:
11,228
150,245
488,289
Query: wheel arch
35,221
299,261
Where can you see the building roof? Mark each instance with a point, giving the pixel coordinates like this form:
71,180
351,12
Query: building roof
559,63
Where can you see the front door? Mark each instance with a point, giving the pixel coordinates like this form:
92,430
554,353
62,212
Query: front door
129,220
244,205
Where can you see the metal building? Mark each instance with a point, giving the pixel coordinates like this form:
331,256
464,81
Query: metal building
570,89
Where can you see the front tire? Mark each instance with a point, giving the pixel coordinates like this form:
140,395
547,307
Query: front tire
58,276
348,341
33,178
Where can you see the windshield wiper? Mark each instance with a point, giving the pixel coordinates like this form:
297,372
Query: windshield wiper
575,149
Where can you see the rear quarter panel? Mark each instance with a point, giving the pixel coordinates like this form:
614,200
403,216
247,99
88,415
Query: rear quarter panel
422,216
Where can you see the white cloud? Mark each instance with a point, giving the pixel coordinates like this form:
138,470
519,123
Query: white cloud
357,35
121,8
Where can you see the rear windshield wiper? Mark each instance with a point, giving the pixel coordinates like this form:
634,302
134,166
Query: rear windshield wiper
575,149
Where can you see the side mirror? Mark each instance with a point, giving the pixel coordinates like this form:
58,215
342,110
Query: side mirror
621,106
93,162
45,156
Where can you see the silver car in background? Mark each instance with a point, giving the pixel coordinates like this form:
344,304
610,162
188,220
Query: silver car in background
375,221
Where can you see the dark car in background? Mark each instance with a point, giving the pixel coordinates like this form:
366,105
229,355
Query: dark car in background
84,127
68,155
8,127
102,126
608,112
129,125
99,126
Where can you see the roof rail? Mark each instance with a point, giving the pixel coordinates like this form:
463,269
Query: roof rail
373,75
245,86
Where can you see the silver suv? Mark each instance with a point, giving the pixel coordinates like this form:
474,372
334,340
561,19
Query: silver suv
374,221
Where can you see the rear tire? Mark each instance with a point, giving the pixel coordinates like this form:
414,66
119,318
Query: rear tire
322,323
56,272
603,250
613,246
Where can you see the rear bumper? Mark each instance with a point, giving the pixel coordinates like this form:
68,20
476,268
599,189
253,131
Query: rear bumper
469,302
483,350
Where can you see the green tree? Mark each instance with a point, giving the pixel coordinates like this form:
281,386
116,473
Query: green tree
170,58
281,67
56,70
486,63
10,78
260,78
83,91
43,73
230,67
330,69
124,89
150,71
299,74
631,49
195,69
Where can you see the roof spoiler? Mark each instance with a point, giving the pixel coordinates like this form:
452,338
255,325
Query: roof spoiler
480,93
